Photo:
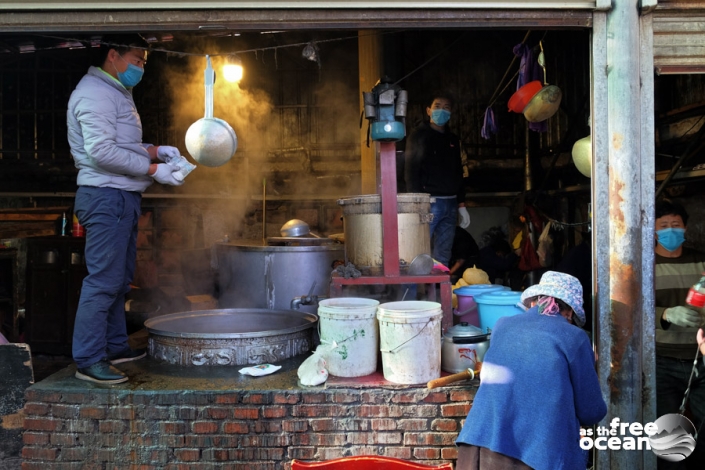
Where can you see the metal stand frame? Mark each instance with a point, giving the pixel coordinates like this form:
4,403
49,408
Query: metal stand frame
390,236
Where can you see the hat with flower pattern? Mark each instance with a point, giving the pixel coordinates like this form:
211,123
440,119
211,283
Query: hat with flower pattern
560,286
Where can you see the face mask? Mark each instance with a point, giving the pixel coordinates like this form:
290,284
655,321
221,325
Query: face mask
671,238
131,76
440,117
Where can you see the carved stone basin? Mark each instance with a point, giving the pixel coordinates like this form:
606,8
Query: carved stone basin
230,336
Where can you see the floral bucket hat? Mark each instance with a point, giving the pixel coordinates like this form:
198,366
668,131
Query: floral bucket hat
560,286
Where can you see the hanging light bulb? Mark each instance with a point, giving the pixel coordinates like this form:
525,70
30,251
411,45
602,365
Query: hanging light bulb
232,70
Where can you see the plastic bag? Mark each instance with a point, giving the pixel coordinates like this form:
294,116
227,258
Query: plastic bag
545,249
313,370
259,370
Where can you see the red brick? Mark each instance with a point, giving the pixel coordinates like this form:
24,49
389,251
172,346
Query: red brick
257,398
112,426
350,424
301,453
78,398
39,409
380,411
261,426
229,399
63,439
74,454
253,453
42,396
240,427
246,413
301,425
407,397
310,398
286,398
429,438
454,410
219,455
413,424
42,424
346,397
217,413
187,455
462,395
444,425
274,412
39,453
436,397
322,425
417,411
35,438
403,453
122,412
325,440
383,424
267,440
386,438
205,427
92,412
61,410
172,427
449,453
427,453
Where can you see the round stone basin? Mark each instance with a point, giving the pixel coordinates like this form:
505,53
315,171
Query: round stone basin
230,336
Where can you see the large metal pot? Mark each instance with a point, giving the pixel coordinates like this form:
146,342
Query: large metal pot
230,337
255,276
463,346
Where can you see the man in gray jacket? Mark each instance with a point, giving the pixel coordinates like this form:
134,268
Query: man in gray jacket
114,168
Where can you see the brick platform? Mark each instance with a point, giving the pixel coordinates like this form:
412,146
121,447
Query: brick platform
189,418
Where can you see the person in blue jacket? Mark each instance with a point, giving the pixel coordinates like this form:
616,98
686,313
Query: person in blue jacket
114,168
538,386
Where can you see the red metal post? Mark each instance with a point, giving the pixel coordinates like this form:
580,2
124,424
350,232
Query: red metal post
390,223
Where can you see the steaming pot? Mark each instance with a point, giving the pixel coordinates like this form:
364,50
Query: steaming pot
463,346
211,141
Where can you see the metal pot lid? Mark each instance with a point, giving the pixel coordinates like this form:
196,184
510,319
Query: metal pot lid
463,330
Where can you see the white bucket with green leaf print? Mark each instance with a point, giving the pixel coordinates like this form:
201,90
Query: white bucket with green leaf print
350,324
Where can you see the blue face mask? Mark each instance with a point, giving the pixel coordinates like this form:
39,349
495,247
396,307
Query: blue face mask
671,238
440,116
131,76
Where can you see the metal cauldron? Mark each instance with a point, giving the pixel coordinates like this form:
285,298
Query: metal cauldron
230,336
252,275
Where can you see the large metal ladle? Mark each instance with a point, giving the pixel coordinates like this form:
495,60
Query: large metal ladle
211,141
296,228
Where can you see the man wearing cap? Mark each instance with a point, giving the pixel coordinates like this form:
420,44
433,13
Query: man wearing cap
538,386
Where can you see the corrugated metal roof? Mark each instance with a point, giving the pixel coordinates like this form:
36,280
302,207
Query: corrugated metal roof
679,42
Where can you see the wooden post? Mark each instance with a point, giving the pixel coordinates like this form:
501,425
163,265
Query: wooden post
370,68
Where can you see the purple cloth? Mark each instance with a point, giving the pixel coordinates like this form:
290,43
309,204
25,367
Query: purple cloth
489,126
529,70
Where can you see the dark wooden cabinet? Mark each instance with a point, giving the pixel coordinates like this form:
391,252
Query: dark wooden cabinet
55,272
8,292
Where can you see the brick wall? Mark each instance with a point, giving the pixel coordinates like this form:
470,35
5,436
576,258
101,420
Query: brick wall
238,430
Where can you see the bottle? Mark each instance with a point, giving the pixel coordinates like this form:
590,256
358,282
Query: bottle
63,224
76,228
696,294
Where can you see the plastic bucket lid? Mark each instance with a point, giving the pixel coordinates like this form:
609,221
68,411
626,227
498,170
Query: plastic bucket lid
478,289
503,297
347,307
408,311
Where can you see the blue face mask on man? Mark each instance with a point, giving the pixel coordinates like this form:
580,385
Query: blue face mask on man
440,116
671,238
132,76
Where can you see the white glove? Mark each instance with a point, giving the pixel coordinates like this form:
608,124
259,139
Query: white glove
464,217
165,174
682,316
167,153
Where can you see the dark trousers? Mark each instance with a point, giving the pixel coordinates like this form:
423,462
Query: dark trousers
482,458
110,217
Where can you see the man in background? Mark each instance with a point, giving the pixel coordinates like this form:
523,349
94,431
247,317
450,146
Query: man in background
433,165
677,269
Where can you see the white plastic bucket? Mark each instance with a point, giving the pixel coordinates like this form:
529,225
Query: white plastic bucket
410,340
351,323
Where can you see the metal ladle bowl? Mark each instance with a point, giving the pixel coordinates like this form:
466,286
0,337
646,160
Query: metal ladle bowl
295,228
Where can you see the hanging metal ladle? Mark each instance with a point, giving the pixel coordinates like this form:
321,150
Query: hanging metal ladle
211,141
545,103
